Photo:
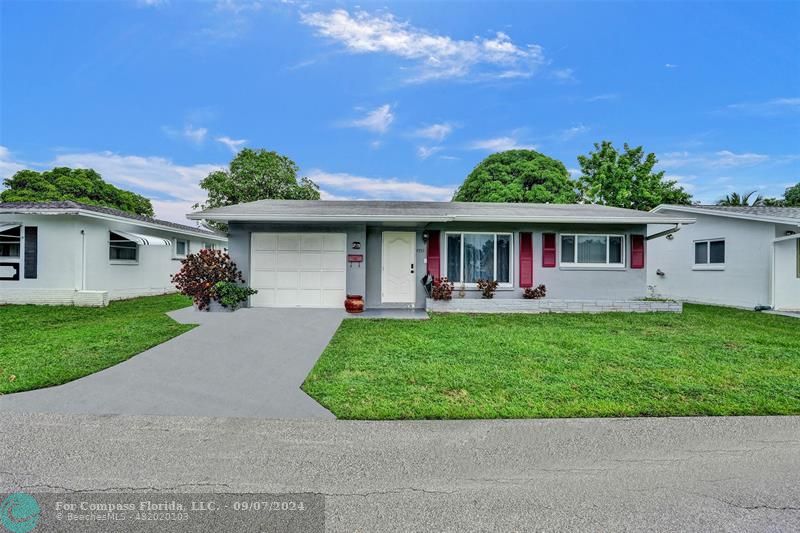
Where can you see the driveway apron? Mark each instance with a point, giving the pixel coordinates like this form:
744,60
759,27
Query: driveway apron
250,363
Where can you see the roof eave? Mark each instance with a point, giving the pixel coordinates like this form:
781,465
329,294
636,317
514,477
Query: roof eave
241,217
106,216
729,214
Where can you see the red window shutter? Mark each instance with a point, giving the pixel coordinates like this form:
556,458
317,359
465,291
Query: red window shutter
637,251
434,253
548,250
525,259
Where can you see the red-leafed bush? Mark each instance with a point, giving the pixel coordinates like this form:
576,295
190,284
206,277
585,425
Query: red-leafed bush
200,272
442,289
532,293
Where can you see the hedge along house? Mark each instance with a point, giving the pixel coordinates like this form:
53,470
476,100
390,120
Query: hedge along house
313,253
68,253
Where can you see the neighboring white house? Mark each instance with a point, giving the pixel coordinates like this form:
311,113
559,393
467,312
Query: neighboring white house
68,253
737,256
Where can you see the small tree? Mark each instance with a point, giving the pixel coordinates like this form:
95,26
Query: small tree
256,175
626,179
200,273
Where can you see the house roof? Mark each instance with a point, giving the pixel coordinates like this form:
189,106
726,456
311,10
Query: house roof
399,211
780,215
70,207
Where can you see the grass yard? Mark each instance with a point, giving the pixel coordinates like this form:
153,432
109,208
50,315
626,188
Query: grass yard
42,346
706,361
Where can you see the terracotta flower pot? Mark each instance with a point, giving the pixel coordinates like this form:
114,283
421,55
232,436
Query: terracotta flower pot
354,303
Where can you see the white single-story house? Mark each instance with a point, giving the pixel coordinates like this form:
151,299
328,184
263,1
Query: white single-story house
69,253
300,253
737,256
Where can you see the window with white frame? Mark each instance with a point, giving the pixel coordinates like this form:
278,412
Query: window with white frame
209,246
592,250
122,249
471,256
181,247
709,252
10,243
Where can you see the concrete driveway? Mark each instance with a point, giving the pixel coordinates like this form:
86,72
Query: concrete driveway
250,363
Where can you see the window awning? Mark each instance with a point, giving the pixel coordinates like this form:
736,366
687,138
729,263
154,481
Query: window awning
6,227
144,240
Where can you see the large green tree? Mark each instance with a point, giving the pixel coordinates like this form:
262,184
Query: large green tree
791,198
518,176
626,179
257,175
76,184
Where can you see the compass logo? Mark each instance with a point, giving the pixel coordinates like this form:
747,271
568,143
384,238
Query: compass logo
19,512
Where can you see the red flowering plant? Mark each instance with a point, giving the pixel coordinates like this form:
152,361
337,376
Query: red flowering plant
442,289
200,273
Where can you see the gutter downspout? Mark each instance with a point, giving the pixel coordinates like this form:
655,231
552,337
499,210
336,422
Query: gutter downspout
669,231
83,260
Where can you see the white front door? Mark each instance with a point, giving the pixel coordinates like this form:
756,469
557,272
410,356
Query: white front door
398,281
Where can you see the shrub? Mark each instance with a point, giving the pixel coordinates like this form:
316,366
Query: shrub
487,288
442,289
532,293
231,294
200,272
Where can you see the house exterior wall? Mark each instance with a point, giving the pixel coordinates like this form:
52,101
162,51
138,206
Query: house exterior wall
60,277
563,282
787,271
365,278
743,282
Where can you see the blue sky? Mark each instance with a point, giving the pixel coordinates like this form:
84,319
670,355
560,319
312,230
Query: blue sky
398,100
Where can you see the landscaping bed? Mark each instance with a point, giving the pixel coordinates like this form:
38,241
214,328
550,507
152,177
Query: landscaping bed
705,361
42,346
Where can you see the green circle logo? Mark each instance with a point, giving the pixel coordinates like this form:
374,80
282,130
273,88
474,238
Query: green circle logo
19,512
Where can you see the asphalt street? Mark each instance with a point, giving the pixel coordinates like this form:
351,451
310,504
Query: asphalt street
668,474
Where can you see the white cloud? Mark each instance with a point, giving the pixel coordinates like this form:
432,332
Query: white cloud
726,158
238,6
196,135
234,145
775,106
563,75
348,186
670,65
151,3
436,132
189,132
572,132
602,97
424,152
377,120
434,56
500,144
722,158
8,165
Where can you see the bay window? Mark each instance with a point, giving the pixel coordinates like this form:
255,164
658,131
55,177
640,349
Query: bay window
592,250
473,256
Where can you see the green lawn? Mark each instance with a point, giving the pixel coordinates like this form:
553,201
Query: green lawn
42,346
706,361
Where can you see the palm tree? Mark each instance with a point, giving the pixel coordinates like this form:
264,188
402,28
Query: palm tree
741,200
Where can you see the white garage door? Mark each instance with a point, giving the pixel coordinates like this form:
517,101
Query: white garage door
298,269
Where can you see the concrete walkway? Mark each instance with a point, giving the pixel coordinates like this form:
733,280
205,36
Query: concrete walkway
250,363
